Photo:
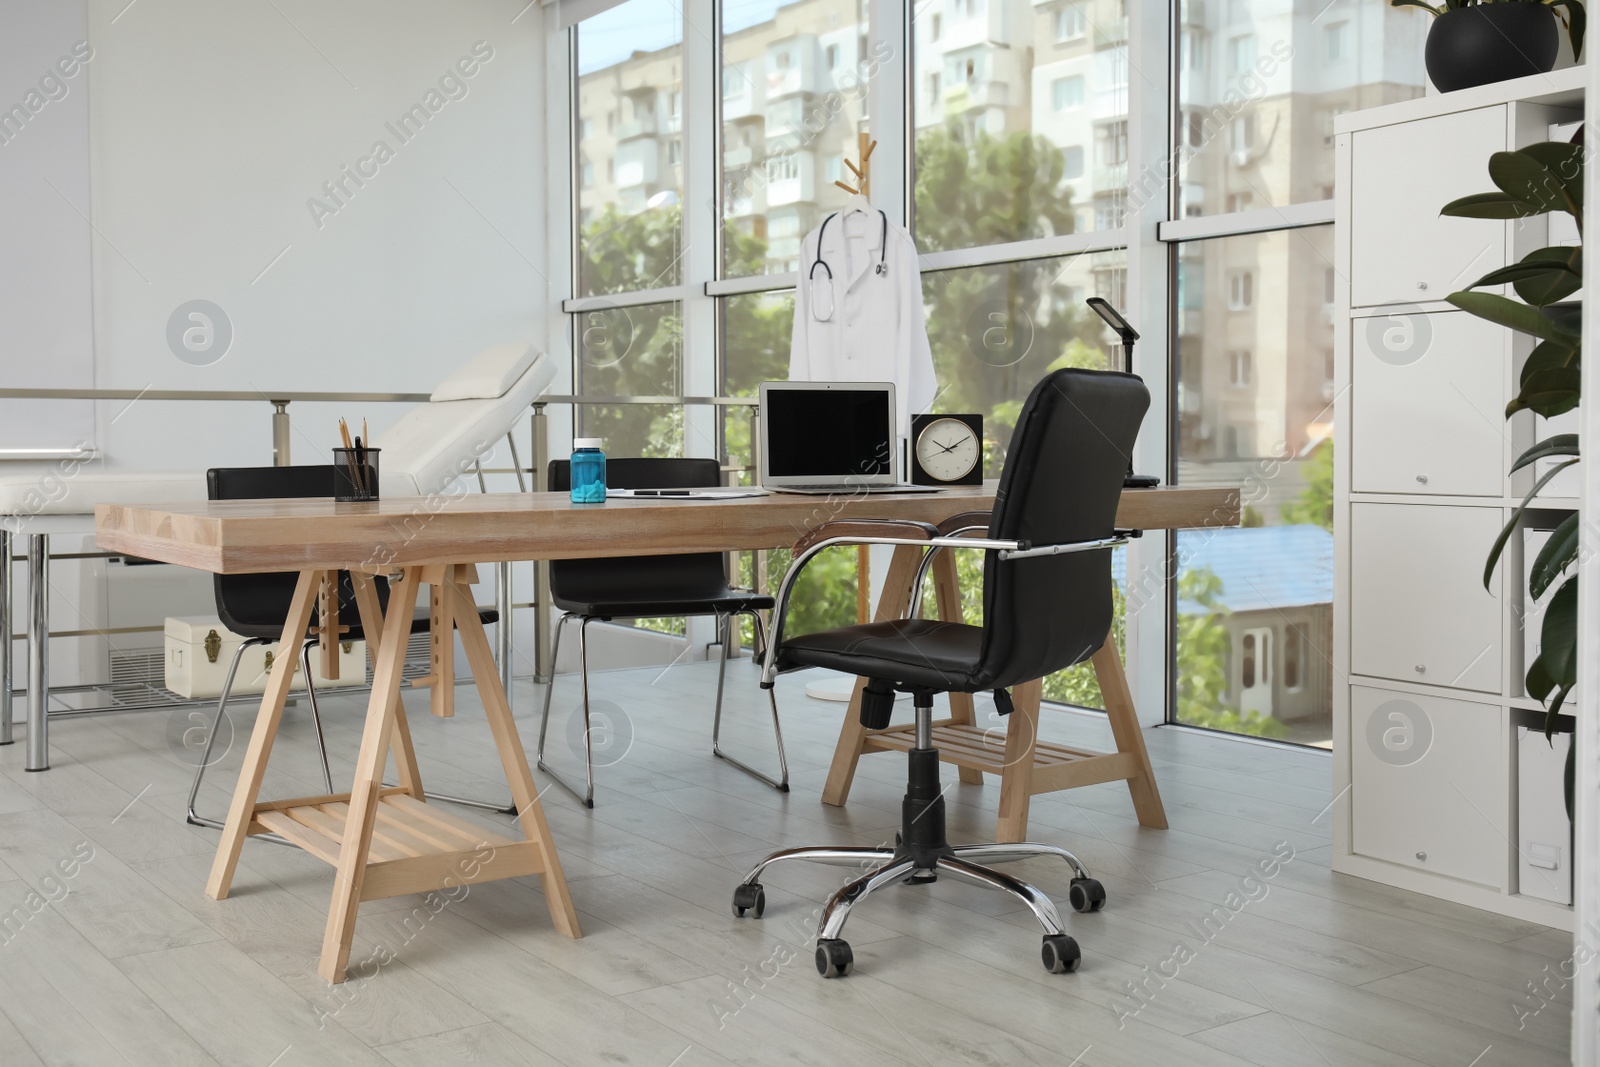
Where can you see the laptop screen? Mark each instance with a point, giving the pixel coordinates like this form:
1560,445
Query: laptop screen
830,434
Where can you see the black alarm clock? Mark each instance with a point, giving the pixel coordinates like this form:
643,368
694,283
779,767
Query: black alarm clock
947,449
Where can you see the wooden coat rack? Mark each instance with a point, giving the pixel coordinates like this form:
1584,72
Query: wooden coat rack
863,189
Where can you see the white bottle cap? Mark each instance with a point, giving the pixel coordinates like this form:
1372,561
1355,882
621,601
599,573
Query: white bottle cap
586,442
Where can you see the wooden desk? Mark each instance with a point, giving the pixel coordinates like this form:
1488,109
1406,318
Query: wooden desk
388,841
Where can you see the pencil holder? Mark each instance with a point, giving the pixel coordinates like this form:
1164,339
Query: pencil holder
355,474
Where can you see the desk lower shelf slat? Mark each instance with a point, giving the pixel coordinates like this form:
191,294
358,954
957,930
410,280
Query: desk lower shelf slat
972,747
415,847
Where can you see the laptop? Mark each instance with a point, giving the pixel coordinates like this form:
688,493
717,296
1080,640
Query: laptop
830,437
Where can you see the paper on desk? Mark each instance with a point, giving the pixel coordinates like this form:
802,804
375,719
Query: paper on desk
685,494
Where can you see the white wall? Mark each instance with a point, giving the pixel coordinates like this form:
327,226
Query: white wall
211,127
185,152
45,323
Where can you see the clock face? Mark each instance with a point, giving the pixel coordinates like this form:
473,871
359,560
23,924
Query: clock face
948,449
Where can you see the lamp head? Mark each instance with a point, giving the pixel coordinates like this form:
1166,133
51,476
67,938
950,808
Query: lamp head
1113,319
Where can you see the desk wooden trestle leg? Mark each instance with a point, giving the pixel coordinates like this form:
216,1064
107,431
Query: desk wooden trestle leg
385,842
1025,765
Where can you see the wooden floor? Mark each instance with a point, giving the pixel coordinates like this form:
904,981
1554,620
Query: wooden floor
131,963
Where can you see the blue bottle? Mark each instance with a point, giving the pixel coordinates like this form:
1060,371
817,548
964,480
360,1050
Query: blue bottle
588,471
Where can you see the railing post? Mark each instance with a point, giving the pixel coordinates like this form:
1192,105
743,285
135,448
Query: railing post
5,636
280,433
544,668
38,653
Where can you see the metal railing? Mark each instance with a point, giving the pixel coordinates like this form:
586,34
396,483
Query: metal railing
537,469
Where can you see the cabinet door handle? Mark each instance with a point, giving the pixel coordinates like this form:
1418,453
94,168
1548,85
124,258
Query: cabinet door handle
1423,478
1423,856
1421,668
1422,285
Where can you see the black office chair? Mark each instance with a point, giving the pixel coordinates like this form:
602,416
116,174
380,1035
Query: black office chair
255,606
645,587
1047,605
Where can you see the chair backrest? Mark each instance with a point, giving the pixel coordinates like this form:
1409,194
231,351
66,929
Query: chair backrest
256,604
640,577
1061,483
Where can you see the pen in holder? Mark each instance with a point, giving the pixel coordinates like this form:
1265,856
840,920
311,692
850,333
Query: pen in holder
355,474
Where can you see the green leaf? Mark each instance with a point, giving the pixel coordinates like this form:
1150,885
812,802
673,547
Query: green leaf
1558,283
1555,557
1489,206
1538,683
1526,178
1548,354
1565,161
1416,3
1512,313
1562,444
1550,392
1568,318
1516,516
1570,775
1576,19
1558,638
1528,268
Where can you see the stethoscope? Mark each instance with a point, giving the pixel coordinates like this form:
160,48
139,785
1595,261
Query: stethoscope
822,296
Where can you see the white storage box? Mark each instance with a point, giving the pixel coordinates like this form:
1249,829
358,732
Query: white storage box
199,650
1544,833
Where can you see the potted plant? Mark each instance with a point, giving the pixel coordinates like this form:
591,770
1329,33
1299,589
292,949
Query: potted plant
1475,42
1536,180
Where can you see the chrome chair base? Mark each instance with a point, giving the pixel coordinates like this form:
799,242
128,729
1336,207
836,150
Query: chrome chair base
919,854
586,796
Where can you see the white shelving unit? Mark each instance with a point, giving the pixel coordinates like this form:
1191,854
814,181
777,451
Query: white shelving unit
1428,666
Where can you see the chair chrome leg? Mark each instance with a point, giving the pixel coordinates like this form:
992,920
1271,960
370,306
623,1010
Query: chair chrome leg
549,690
587,796
316,713
840,855
1022,851
837,910
781,783
1043,907
196,819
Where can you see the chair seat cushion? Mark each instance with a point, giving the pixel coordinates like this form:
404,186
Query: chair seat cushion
51,493
719,602
940,655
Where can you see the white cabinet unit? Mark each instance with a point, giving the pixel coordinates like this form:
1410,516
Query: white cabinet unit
1429,780
1428,663
1418,609
1402,252
1427,396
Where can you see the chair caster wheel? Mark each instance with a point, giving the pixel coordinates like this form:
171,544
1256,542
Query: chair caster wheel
834,958
750,898
1086,894
1059,953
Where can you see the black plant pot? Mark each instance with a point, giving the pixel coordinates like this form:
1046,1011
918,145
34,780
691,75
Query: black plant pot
1490,43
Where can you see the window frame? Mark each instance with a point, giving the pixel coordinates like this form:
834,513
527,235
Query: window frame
1158,45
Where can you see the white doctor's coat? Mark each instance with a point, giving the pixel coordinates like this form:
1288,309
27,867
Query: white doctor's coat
877,331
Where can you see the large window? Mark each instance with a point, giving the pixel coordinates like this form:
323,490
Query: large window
1017,161
795,79
1015,97
630,115
1253,379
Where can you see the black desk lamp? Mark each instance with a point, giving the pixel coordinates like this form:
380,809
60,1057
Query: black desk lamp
1113,319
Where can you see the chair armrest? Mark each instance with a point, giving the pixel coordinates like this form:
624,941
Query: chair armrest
899,532
847,530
